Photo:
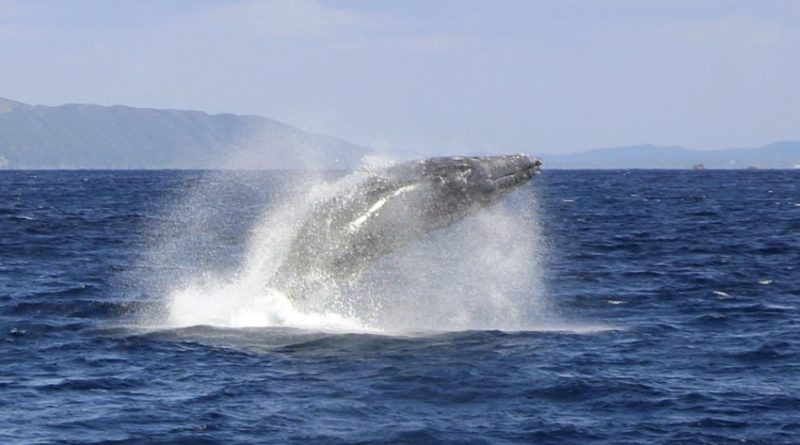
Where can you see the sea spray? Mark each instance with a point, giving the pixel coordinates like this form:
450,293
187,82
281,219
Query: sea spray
484,272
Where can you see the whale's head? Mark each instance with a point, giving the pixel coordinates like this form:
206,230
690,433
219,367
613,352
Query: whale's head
442,190
480,180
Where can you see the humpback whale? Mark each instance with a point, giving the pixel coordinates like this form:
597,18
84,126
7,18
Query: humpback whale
347,233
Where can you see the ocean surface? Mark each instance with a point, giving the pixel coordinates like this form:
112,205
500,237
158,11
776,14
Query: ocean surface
618,307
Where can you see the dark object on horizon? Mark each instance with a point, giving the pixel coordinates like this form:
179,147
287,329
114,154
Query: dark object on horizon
349,232
699,167
780,155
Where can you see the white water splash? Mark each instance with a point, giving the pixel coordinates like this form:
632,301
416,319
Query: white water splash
240,304
485,272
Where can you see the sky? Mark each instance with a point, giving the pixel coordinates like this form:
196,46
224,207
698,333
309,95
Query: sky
428,76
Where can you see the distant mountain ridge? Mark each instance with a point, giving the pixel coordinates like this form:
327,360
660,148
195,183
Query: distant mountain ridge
121,137
785,154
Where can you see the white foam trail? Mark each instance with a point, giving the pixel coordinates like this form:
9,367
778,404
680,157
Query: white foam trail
243,305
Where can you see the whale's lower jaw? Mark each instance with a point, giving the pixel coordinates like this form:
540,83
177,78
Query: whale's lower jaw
345,235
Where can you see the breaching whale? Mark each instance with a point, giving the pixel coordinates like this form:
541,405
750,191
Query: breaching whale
347,233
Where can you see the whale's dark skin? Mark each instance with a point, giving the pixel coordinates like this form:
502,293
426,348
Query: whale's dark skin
346,234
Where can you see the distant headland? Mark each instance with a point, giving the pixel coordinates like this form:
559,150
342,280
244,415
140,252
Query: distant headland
119,137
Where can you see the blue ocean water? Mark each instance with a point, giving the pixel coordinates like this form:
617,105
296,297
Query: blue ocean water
674,298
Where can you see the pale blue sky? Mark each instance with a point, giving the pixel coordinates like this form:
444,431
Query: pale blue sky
428,76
